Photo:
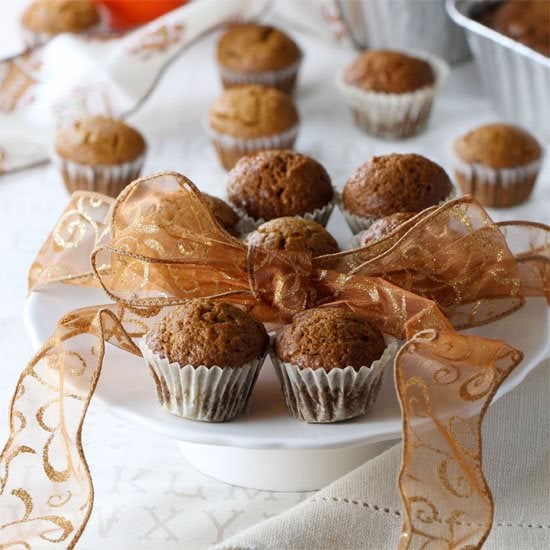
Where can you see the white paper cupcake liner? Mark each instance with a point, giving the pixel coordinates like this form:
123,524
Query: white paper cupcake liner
101,178
394,116
282,79
497,186
209,394
318,396
247,224
357,224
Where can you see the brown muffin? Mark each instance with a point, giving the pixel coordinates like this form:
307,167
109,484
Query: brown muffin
226,216
395,183
389,72
99,140
527,21
273,184
328,338
498,146
56,16
498,164
381,228
99,154
205,332
251,118
294,234
261,54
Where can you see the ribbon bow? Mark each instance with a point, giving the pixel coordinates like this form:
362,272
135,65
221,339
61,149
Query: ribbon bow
158,245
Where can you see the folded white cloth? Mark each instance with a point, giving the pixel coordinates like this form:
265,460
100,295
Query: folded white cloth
363,509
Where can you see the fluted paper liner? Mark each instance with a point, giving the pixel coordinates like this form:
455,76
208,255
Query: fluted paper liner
247,223
449,267
361,223
390,115
230,148
318,396
108,179
500,187
283,79
198,392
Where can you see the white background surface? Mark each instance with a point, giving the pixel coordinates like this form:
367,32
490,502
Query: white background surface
146,495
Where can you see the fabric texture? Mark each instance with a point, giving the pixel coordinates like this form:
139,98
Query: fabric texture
363,509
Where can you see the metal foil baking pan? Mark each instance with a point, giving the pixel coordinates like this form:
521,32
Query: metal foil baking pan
515,77
403,25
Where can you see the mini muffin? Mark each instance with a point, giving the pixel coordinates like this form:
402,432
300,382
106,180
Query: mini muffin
498,164
330,362
226,216
393,183
44,19
205,357
247,119
99,154
380,229
294,234
258,54
274,184
390,94
527,22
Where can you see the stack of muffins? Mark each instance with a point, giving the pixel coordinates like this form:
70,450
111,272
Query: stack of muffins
205,356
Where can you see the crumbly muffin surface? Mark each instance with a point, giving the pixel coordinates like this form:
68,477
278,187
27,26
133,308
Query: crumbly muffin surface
395,183
57,16
389,72
206,332
382,227
99,140
498,146
256,48
294,234
273,184
253,111
328,338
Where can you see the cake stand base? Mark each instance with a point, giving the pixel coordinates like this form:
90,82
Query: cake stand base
278,469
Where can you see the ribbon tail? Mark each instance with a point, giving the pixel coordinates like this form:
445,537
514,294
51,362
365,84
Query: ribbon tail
46,417
445,383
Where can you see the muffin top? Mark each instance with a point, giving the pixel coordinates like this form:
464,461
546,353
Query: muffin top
224,214
294,234
527,21
273,184
256,48
99,140
252,111
382,227
57,16
498,146
328,338
389,72
395,183
205,332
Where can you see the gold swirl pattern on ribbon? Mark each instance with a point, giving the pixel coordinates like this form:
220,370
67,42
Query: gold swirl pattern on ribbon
158,245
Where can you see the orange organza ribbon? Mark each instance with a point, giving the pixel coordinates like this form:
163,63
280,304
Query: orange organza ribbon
158,245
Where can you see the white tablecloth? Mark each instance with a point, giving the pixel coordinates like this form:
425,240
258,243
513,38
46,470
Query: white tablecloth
146,495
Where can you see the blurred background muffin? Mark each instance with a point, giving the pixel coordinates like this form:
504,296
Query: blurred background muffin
273,184
251,118
294,234
258,54
44,19
99,154
393,183
497,163
330,362
204,357
390,93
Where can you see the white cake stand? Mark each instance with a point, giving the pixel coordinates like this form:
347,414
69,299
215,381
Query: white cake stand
266,448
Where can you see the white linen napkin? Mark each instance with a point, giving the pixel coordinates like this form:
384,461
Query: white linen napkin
363,509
